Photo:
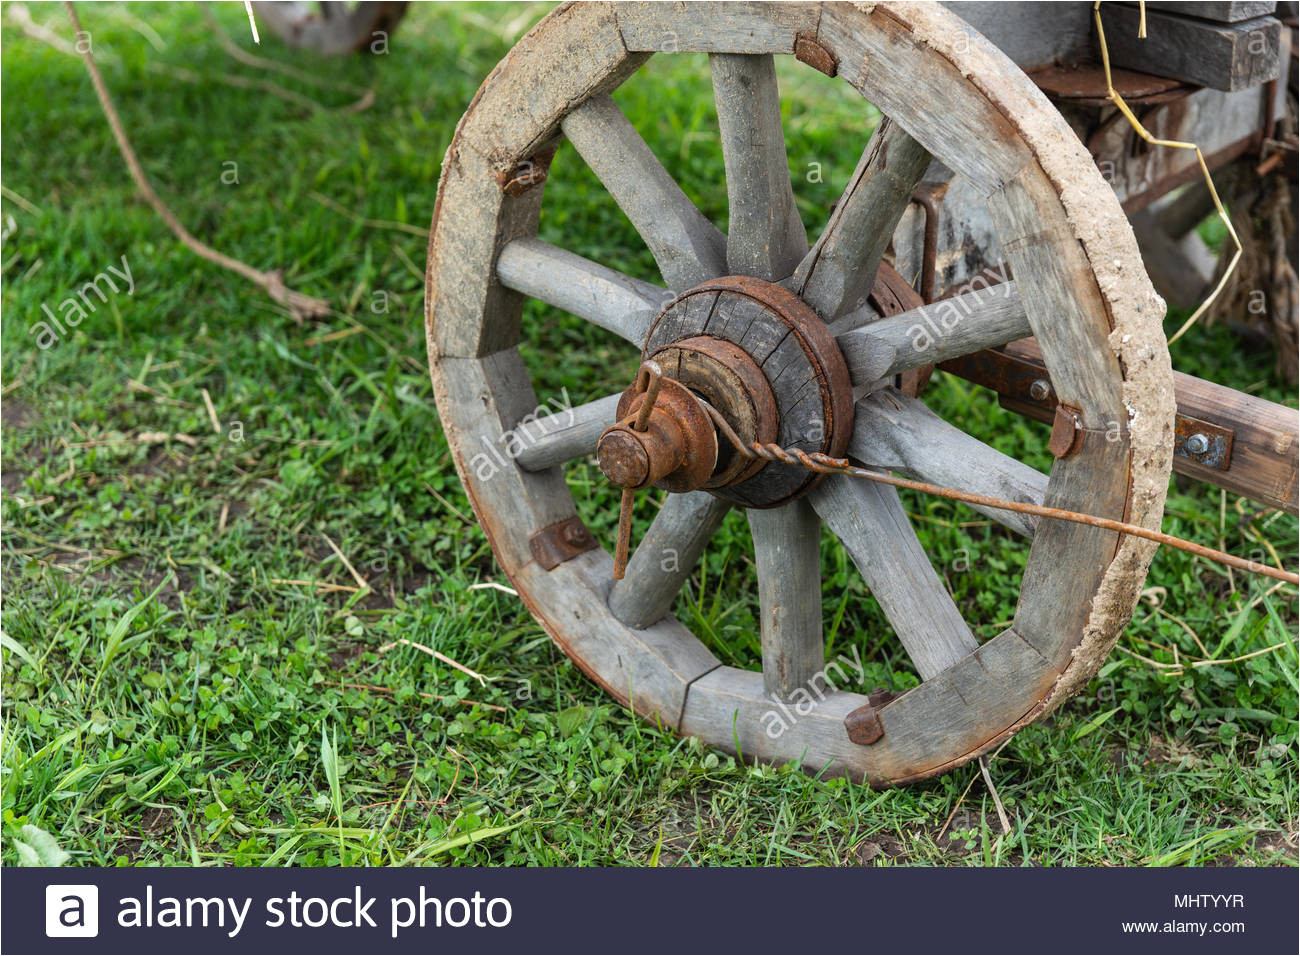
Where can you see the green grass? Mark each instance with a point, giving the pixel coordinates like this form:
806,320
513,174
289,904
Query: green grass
169,698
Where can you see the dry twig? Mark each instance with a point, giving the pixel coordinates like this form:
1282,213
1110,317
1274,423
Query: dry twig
362,583
300,306
993,791
436,654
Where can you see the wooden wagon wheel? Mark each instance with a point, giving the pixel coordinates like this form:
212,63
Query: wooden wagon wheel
761,292
330,28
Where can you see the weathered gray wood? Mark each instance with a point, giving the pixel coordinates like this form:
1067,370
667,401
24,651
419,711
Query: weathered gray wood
991,126
1181,211
895,431
624,305
787,557
461,254
711,27
871,524
486,398
688,248
967,242
1223,124
555,439
1067,562
1061,303
966,710
648,670
949,328
580,54
1222,56
665,557
837,274
1034,33
954,118
1226,11
1180,269
765,237
1265,435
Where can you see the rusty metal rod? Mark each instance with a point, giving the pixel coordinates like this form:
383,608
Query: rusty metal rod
827,465
624,534
649,378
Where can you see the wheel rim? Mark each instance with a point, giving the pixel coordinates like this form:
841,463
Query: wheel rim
1079,284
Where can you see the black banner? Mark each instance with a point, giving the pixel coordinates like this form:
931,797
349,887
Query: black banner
873,910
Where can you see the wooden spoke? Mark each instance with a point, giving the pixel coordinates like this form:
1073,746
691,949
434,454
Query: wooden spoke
837,274
892,430
765,237
949,328
624,305
787,554
572,433
688,248
665,557
869,520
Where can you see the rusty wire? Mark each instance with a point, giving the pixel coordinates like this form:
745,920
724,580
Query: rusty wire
649,378
826,465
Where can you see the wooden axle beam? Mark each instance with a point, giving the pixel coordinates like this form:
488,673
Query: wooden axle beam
1232,440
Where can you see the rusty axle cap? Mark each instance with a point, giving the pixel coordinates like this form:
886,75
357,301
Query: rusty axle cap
674,448
664,436
765,360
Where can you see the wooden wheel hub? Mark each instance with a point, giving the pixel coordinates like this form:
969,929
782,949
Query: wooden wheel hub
766,361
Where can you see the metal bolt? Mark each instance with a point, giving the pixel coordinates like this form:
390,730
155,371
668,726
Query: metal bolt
1040,390
575,534
1198,444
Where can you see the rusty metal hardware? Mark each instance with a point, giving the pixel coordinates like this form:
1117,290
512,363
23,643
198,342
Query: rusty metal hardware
1023,386
741,309
863,724
1010,376
1067,432
663,438
1084,84
826,465
1202,441
629,457
560,542
728,378
808,50
527,173
928,196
